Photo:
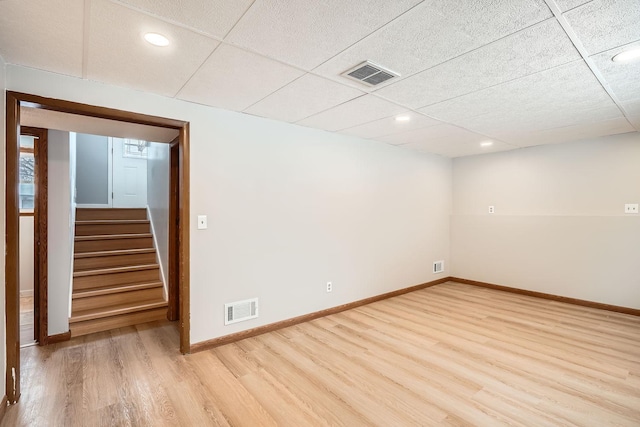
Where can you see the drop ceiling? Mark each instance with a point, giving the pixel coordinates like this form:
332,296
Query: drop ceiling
516,72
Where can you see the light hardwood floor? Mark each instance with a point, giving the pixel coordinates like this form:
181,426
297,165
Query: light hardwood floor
452,354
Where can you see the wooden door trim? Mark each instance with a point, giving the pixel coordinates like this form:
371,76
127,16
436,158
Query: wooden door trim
40,235
14,100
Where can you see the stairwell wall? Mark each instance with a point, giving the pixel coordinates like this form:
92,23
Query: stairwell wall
158,202
60,230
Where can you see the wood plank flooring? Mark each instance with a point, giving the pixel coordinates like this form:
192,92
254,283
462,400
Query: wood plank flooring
452,354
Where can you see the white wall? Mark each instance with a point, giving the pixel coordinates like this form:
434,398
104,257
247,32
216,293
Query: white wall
3,330
59,231
559,225
158,169
289,208
92,169
26,255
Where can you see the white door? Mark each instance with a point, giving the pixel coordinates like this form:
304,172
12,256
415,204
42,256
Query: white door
129,174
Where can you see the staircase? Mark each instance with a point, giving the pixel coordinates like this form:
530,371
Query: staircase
116,278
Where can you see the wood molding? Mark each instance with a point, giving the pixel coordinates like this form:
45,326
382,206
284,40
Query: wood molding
575,301
12,248
227,339
3,407
52,339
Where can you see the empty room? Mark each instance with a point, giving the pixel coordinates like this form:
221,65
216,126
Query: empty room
320,212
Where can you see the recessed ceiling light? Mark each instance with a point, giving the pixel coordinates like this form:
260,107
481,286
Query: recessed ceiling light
630,55
486,143
403,118
156,39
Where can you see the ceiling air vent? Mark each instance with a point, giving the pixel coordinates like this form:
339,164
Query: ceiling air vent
370,73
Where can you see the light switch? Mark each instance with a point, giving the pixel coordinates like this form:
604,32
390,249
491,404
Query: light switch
202,222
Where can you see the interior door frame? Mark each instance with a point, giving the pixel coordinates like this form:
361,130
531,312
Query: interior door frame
14,100
40,222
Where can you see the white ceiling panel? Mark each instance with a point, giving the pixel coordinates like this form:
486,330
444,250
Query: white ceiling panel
118,54
537,48
562,96
566,5
45,35
436,31
234,79
390,125
433,133
355,112
635,122
306,33
302,98
214,17
604,24
632,107
455,148
623,78
569,133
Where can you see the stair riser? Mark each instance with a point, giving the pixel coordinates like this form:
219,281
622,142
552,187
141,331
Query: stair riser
113,322
82,264
101,229
113,244
133,297
101,280
109,214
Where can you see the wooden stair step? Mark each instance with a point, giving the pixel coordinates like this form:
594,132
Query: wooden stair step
115,310
91,279
116,258
125,295
100,243
90,214
80,328
104,227
114,253
107,290
115,270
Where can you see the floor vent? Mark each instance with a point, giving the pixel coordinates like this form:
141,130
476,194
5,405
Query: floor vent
240,310
438,267
370,73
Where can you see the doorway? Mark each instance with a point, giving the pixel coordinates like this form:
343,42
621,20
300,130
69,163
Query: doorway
14,102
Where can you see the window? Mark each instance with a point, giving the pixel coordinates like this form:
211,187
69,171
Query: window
27,183
135,148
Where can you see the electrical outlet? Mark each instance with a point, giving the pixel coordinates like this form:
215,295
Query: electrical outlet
329,287
492,209
631,208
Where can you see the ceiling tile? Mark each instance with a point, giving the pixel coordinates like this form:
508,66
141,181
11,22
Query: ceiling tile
537,48
355,112
45,35
436,31
390,125
604,24
118,54
623,78
569,133
306,33
632,107
214,17
234,79
562,96
302,98
635,122
566,5
433,133
453,148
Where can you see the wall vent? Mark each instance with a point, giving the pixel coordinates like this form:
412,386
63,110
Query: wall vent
438,267
240,310
370,74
